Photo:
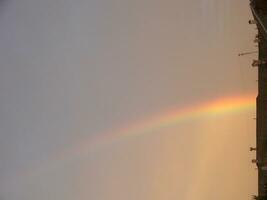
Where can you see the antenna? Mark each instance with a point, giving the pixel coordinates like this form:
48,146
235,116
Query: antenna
247,53
252,21
253,149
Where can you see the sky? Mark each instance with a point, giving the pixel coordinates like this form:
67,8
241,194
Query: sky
126,99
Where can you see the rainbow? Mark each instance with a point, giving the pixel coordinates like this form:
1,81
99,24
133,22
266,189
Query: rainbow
215,108
218,107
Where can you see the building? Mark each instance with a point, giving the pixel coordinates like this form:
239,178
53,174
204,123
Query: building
259,11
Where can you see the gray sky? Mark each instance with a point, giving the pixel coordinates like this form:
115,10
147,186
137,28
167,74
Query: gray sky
75,70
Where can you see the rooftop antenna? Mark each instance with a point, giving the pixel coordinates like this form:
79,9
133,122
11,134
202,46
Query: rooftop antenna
253,149
247,53
252,21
